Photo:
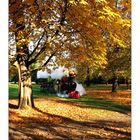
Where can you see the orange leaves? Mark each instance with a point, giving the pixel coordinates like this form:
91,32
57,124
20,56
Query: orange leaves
123,97
28,2
56,118
14,6
126,3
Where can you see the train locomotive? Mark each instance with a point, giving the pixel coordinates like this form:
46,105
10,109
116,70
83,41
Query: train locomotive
67,86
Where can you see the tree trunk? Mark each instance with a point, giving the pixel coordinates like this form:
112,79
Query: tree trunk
114,84
88,78
128,84
24,87
25,83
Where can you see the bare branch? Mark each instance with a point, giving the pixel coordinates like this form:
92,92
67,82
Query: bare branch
37,45
48,60
37,55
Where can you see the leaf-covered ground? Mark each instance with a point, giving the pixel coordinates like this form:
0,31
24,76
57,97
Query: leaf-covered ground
98,115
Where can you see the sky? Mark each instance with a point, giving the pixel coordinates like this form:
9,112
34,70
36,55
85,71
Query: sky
135,69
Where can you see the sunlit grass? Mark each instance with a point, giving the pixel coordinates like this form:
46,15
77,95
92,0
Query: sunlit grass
94,102
94,98
13,91
97,112
37,92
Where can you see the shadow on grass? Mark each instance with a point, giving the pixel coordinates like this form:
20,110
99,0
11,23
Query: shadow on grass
108,126
99,103
68,129
90,102
12,106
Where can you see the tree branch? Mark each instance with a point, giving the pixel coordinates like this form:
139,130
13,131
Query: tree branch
36,45
46,61
35,58
49,59
56,33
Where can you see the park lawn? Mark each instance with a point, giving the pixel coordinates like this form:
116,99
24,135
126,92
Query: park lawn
98,96
37,92
96,115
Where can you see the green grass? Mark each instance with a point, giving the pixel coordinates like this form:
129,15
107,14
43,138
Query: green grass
37,92
13,91
100,103
85,101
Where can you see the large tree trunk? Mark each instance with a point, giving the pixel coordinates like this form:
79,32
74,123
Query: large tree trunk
24,87
22,59
114,84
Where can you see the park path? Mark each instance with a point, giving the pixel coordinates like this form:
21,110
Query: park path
56,119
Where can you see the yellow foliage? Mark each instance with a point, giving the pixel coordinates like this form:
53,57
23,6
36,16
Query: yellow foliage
20,20
95,24
83,2
101,1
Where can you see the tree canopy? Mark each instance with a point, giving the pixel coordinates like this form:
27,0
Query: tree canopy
73,30
68,32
